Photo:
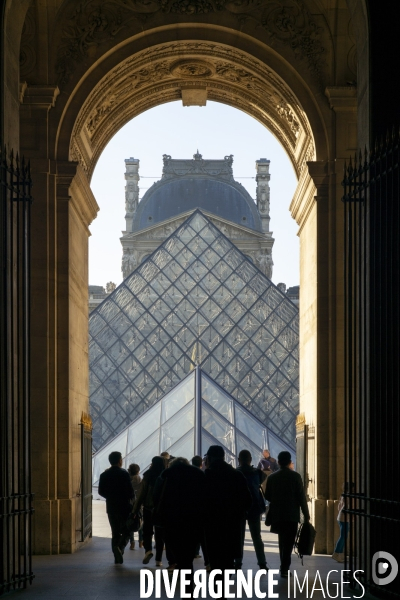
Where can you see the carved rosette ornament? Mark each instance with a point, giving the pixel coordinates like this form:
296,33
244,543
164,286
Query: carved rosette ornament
161,72
192,69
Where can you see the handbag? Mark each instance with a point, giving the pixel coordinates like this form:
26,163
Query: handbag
134,522
305,539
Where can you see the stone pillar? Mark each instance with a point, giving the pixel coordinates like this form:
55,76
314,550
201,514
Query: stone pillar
318,210
37,102
63,206
76,209
321,449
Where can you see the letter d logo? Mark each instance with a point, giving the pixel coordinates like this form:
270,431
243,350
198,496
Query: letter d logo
384,568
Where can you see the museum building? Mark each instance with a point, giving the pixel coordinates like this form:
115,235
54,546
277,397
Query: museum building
197,263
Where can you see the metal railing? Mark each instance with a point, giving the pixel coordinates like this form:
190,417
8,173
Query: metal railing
15,480
372,366
86,477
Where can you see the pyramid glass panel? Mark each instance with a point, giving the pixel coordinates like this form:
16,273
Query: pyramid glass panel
161,427
184,393
208,416
180,424
218,427
150,422
196,300
219,400
184,446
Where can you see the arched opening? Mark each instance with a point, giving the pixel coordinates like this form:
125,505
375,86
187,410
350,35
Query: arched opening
106,77
189,70
216,130
229,141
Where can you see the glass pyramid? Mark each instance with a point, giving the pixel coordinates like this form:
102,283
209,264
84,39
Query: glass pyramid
196,414
196,300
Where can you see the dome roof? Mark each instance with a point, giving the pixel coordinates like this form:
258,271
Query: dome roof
170,197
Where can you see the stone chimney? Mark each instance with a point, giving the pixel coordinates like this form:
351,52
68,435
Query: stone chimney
262,193
131,190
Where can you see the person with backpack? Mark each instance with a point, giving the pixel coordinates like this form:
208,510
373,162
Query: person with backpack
254,478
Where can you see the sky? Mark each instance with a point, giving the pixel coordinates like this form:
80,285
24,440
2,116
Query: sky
216,130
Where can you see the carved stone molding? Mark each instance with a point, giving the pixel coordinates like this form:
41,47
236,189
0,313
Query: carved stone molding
288,24
305,194
82,197
192,68
342,97
158,74
43,96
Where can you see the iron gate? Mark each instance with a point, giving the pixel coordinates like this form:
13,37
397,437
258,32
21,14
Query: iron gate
372,366
15,484
86,477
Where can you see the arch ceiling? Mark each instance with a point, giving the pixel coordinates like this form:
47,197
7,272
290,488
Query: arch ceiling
163,72
112,60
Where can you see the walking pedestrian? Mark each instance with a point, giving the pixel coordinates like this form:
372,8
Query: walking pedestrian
254,478
285,493
226,500
145,500
136,480
116,487
268,465
178,497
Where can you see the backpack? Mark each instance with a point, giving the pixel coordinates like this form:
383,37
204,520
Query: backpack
305,539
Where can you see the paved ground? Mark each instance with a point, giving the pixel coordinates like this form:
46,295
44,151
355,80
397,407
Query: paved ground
91,573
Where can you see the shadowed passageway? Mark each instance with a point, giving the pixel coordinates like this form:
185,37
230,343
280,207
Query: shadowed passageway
91,574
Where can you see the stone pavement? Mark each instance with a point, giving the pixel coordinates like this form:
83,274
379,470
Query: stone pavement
91,574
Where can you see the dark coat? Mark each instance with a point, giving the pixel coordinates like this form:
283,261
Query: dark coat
226,494
116,487
254,478
180,489
146,491
226,500
285,493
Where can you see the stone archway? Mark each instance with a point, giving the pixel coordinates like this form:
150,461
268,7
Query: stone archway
191,71
287,63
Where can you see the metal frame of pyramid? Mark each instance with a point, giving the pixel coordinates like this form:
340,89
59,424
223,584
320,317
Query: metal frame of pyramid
196,299
194,415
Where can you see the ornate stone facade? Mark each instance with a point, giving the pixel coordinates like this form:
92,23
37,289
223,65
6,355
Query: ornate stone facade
220,74
112,60
138,241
